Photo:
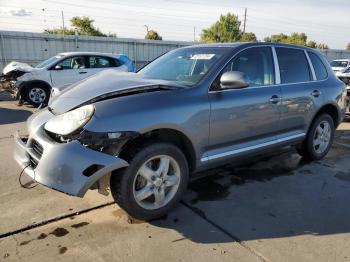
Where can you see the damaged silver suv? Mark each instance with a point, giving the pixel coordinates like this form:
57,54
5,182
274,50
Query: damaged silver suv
144,135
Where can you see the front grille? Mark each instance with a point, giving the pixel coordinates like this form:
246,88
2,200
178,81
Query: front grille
33,162
37,148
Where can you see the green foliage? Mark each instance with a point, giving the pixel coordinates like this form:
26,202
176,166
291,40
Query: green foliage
348,47
295,39
248,37
312,44
153,35
227,29
322,46
81,26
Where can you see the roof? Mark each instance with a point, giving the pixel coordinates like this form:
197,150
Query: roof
247,44
87,53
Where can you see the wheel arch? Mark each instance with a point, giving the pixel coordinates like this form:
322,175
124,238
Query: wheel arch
26,84
331,110
167,135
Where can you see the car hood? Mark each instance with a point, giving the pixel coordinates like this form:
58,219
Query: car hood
104,85
17,66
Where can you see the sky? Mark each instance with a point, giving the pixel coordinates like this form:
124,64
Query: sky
325,21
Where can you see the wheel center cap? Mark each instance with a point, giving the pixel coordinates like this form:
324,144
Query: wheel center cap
158,182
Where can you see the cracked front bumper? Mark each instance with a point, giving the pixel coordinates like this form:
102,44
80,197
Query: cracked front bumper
62,166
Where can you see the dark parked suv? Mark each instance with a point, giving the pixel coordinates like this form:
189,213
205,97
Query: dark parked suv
144,135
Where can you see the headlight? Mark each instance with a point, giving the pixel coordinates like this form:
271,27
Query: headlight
69,122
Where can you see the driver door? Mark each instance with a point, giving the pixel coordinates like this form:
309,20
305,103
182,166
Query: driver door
242,119
69,71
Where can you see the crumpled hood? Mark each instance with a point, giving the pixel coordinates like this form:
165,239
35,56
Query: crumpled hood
17,66
103,84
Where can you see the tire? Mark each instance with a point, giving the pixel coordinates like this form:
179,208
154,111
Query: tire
308,149
36,94
129,183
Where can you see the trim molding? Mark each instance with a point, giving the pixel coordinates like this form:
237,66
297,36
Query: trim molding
249,148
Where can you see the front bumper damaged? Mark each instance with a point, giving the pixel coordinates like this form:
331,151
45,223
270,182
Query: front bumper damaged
70,167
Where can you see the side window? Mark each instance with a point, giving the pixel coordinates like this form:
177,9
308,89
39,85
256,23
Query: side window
99,62
257,65
115,62
294,67
319,67
75,62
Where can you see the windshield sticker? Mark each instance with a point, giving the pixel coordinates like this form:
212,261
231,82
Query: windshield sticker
203,56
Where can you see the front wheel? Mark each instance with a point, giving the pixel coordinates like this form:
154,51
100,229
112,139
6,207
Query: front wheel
36,95
153,183
319,138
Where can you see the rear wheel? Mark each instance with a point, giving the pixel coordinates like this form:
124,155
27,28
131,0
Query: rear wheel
319,138
36,95
153,182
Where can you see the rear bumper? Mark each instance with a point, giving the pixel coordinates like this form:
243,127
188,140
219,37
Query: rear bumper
70,167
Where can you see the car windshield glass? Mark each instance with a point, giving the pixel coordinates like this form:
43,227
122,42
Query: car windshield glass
339,64
184,66
49,61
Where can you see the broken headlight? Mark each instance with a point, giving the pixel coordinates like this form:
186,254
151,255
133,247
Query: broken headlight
67,123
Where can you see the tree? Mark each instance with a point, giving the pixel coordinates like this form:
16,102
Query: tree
227,29
81,26
312,44
348,47
248,37
322,46
153,35
295,39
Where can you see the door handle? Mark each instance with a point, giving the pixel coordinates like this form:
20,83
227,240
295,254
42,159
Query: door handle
82,72
315,93
275,99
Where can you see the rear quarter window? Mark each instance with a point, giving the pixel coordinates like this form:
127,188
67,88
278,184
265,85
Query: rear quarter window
294,67
319,67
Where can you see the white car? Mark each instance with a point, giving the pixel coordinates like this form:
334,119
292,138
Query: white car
340,64
34,84
344,75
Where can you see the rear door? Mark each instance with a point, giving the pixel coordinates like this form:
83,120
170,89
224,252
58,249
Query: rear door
99,63
69,71
249,117
300,89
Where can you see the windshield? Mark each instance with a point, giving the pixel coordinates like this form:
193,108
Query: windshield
49,61
184,66
339,64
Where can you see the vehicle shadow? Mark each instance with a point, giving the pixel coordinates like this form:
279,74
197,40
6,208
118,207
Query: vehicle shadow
279,196
11,116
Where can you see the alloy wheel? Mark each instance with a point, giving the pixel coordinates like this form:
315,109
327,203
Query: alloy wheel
156,182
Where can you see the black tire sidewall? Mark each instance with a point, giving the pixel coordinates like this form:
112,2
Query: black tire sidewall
26,95
309,141
126,197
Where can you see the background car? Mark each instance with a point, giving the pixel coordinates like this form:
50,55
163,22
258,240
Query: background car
340,64
34,84
344,75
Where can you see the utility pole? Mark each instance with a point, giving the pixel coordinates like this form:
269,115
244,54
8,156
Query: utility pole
62,23
245,19
194,34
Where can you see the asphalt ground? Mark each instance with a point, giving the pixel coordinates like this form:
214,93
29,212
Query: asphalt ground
280,208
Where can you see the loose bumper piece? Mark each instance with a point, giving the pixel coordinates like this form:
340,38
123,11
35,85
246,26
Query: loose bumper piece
61,166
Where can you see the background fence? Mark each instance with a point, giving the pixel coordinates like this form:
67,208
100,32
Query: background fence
33,48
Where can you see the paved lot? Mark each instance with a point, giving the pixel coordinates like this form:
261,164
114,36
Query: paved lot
277,209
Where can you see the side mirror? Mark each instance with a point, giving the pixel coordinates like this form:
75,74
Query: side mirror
233,79
58,67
